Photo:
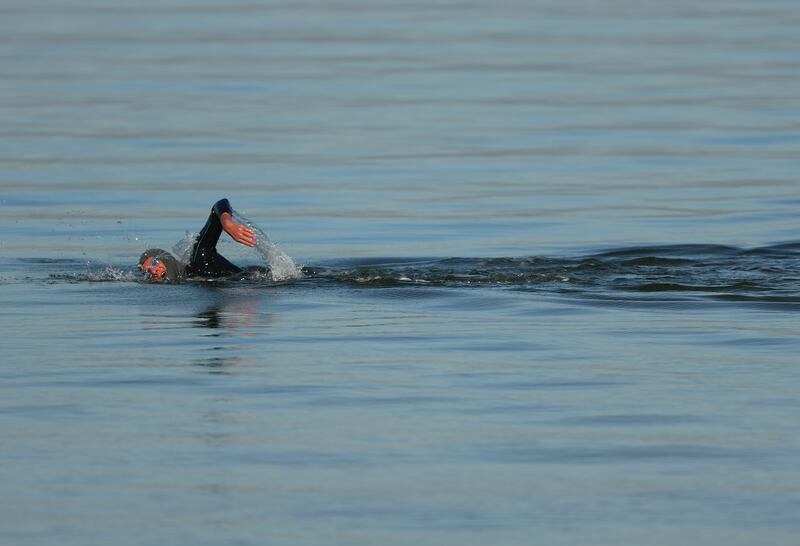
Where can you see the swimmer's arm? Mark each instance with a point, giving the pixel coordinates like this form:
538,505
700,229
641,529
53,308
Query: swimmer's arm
238,232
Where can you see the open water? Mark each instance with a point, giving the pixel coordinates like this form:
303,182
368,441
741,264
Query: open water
549,289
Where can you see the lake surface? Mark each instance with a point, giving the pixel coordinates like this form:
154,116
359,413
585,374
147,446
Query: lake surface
550,273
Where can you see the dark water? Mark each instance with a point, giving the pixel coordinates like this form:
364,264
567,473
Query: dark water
549,291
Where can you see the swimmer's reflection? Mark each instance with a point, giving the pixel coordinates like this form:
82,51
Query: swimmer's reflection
235,315
218,365
229,317
208,318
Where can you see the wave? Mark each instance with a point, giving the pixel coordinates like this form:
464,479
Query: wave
679,267
770,273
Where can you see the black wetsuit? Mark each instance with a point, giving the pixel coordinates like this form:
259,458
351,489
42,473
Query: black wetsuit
205,260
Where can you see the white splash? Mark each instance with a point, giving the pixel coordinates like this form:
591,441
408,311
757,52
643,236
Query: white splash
183,248
281,265
95,274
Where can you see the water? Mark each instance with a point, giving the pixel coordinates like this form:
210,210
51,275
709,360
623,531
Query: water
550,273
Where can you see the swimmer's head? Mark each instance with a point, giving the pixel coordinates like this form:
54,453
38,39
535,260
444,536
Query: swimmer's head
159,265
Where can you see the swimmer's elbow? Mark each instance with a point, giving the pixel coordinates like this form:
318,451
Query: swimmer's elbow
221,206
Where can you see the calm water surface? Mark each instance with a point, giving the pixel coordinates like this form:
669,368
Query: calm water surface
551,273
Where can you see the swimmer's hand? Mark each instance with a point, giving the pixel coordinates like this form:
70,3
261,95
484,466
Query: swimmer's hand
238,232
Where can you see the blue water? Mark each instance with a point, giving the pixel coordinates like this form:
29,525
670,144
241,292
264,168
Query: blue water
551,273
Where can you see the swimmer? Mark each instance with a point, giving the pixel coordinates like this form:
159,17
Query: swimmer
158,265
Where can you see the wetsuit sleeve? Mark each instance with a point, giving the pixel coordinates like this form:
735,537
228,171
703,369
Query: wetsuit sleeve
205,260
